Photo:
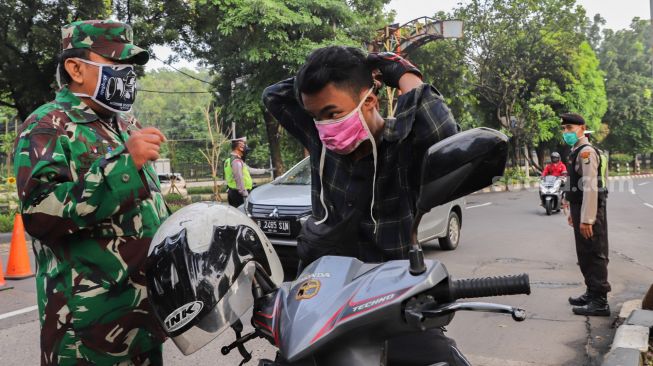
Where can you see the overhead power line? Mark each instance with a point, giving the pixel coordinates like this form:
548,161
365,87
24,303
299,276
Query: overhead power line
173,92
181,72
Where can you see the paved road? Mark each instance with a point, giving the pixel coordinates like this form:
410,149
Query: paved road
503,233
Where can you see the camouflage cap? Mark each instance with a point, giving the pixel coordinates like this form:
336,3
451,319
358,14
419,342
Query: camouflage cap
108,38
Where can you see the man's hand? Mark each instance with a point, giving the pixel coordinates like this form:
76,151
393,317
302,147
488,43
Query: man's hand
144,145
586,231
570,221
392,67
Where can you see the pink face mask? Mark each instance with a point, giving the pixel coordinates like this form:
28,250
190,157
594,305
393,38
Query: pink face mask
342,136
345,134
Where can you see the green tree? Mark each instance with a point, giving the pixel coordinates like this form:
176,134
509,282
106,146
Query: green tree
30,40
443,64
626,59
175,103
251,44
530,62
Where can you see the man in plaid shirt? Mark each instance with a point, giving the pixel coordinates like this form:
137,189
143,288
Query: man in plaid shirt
365,169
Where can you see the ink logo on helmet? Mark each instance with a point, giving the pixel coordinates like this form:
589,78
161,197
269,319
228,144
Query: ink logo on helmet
183,315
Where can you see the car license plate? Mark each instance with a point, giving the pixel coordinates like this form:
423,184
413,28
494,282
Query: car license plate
274,227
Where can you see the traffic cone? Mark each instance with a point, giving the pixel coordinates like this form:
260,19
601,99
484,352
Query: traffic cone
3,283
18,265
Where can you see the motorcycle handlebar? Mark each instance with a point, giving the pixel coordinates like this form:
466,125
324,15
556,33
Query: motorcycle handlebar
490,286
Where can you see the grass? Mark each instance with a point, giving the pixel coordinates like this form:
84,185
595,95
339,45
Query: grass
6,222
200,190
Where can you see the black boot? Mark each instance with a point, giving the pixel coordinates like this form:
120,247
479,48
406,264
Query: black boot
597,305
579,300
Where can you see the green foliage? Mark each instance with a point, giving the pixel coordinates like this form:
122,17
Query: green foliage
199,190
6,222
625,57
176,199
528,63
513,176
621,159
180,116
443,65
259,42
30,40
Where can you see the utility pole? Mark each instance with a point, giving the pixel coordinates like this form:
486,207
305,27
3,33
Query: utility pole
651,20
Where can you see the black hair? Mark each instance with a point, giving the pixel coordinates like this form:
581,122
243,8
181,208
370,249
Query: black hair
345,67
235,143
66,54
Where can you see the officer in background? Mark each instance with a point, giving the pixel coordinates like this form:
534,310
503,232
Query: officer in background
237,174
92,201
586,194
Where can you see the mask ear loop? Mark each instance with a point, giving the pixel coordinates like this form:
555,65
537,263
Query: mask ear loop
57,76
326,210
375,155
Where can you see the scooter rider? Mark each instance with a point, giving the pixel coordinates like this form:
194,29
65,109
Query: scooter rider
365,169
556,167
587,198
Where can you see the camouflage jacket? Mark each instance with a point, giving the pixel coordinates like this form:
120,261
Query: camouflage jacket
93,215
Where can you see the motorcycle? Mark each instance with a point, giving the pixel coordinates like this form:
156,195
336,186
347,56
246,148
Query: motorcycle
551,193
339,311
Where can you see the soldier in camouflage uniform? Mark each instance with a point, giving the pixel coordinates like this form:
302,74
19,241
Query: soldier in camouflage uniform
92,202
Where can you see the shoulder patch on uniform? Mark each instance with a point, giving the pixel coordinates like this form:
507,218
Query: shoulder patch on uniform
585,154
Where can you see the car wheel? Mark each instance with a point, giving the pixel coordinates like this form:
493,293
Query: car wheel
450,242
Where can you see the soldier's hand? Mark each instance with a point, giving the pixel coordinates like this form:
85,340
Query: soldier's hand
586,231
570,221
144,145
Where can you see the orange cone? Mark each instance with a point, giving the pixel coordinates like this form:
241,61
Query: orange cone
18,265
3,283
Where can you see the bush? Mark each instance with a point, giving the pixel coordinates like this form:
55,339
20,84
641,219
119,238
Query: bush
175,208
175,199
513,175
6,223
200,190
621,159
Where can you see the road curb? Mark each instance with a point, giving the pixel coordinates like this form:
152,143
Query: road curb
631,339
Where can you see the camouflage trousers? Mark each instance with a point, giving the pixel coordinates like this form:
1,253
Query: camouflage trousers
71,352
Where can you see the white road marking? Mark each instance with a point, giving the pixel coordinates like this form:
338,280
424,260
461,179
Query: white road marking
18,312
648,204
481,205
643,184
632,191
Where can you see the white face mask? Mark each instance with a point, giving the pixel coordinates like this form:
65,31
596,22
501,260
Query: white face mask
115,89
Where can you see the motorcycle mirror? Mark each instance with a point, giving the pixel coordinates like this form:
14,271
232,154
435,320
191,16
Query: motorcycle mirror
460,165
455,167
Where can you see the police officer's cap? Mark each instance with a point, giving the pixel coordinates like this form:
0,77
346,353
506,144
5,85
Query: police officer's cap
572,119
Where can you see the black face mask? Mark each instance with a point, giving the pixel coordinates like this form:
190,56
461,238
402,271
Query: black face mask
116,87
246,151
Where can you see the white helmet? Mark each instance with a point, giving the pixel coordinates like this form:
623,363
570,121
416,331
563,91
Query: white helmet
200,270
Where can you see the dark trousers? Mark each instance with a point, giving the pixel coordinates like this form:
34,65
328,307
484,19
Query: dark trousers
425,348
593,252
234,197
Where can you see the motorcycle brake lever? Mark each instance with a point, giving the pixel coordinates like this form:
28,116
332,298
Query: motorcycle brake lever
517,313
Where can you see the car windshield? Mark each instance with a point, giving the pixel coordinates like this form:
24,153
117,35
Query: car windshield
300,174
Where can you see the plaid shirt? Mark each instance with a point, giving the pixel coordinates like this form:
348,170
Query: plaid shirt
422,120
